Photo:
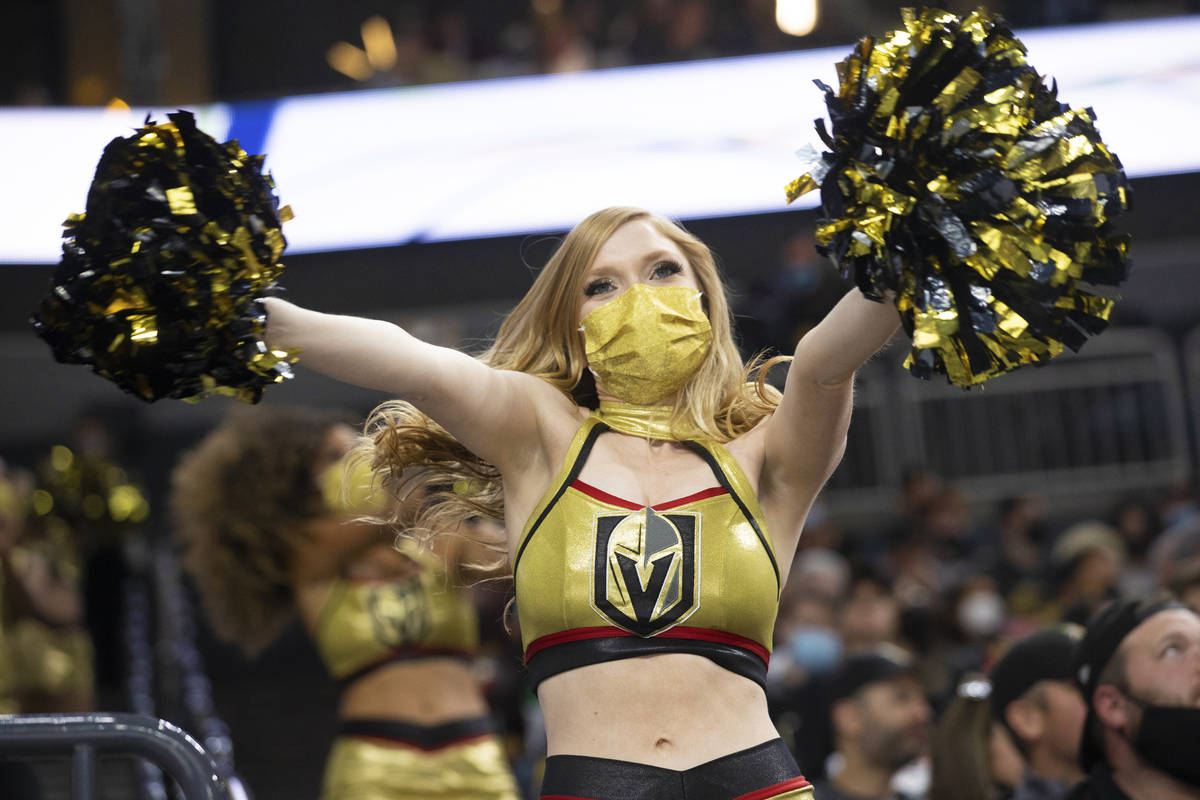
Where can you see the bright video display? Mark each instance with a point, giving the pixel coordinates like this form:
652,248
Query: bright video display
524,155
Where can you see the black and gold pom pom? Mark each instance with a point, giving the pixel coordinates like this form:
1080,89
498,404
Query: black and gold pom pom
159,278
959,183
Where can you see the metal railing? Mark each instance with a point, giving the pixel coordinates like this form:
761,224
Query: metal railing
139,681
1109,420
183,668
85,737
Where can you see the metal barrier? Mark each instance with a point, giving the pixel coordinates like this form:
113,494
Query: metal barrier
1109,420
84,737
184,678
139,680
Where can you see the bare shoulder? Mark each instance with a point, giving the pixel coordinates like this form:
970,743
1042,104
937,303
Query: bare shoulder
557,414
749,450
557,418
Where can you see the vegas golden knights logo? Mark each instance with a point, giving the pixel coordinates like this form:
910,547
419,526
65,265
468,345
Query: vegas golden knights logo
399,612
645,574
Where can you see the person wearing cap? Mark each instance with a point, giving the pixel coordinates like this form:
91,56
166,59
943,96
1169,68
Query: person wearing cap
1038,706
881,722
1139,668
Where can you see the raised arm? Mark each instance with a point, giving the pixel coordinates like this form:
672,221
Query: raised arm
488,410
806,436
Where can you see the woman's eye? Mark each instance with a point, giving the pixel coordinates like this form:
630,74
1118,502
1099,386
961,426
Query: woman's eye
598,287
665,269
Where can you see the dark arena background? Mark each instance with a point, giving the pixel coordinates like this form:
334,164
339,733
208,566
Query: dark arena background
434,153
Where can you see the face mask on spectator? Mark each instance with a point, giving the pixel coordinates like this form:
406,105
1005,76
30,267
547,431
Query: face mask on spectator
981,614
1167,738
817,650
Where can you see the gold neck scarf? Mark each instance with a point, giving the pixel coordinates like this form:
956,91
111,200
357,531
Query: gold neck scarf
649,422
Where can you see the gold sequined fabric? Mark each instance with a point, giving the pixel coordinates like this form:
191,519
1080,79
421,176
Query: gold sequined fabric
957,183
648,422
48,661
369,769
574,536
158,285
644,345
349,486
364,623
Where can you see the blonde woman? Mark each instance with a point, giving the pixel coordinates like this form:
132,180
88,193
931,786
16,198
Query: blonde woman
269,530
650,537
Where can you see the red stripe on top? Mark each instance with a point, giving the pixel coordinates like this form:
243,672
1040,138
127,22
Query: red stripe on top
620,502
678,632
703,494
776,789
604,497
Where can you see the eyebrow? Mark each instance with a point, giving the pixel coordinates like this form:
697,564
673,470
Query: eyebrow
651,257
1173,637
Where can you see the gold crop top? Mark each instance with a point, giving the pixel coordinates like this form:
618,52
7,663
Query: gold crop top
599,578
366,624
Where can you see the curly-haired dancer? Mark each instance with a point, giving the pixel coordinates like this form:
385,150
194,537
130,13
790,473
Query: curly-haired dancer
270,532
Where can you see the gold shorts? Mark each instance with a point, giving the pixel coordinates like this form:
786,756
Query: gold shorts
49,661
385,768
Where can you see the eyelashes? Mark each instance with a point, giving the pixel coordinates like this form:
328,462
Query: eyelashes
662,269
665,269
598,287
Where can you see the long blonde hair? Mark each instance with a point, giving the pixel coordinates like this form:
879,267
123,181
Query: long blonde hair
539,337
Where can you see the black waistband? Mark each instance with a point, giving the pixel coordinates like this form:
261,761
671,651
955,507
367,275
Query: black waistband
425,737
756,769
571,655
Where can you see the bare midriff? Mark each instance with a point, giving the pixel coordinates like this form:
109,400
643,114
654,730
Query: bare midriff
674,710
429,691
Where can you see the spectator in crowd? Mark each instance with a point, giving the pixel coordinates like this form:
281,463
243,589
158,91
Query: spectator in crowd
963,642
1176,562
971,756
870,614
806,633
1036,704
793,298
1087,559
979,609
1180,567
880,720
919,487
1139,668
808,649
1179,506
1015,552
1136,522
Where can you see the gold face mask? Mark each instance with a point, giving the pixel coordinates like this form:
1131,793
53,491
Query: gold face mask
350,491
644,345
